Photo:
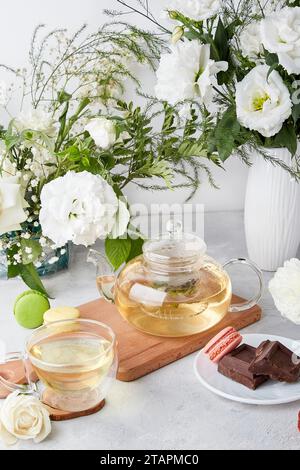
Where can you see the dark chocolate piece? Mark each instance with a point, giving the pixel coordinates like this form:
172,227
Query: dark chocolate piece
235,366
276,361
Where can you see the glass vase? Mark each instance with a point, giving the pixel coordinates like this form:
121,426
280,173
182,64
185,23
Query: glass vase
55,260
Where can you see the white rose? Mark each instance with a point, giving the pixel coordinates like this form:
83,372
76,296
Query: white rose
12,205
250,41
36,120
285,290
23,417
280,33
187,73
197,10
80,207
263,104
102,131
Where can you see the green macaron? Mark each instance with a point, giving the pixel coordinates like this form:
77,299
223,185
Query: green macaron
30,307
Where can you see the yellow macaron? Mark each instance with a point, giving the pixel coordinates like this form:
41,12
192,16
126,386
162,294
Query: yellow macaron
60,313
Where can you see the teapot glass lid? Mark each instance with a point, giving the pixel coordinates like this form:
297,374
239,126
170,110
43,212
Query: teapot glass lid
174,246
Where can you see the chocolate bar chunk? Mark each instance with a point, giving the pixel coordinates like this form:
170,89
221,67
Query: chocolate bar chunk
276,361
235,366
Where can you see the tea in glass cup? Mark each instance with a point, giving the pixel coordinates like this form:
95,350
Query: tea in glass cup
75,360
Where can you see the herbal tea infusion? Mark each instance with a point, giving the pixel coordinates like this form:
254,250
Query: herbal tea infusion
74,364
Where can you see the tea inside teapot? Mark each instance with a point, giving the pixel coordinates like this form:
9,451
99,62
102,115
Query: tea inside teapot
176,305
173,288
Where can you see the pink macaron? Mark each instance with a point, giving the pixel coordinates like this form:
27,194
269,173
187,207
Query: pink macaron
223,343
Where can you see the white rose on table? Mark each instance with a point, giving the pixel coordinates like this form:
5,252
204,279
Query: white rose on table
263,104
198,10
102,131
280,33
12,204
250,41
36,120
187,73
23,417
81,207
285,290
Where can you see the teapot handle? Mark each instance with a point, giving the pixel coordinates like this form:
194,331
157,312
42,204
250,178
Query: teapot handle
28,389
242,306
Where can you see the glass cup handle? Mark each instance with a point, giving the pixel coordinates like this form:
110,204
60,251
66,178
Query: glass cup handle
30,388
242,306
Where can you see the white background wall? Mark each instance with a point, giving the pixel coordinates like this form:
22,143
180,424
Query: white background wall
18,19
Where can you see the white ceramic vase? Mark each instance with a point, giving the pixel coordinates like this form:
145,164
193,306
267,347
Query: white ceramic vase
272,212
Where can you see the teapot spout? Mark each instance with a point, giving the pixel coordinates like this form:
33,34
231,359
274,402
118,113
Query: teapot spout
105,276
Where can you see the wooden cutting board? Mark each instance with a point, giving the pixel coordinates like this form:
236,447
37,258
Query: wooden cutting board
140,354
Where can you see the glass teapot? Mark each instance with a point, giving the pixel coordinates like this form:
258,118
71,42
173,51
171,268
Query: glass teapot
173,289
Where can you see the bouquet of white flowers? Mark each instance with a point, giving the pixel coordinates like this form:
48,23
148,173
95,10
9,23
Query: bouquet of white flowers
76,143
240,61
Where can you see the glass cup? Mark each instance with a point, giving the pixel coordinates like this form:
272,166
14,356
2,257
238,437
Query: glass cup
75,360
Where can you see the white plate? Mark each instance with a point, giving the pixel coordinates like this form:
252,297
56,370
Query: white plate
269,393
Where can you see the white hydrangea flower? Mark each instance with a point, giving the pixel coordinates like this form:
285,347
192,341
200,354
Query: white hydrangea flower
250,41
263,104
36,120
23,417
197,10
187,72
285,290
80,207
280,33
102,131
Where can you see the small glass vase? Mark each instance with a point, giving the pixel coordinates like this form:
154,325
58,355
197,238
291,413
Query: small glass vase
55,260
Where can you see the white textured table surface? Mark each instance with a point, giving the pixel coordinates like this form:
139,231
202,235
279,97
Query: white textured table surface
168,409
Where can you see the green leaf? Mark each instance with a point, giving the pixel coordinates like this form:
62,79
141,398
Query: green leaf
13,270
232,27
271,59
286,138
34,246
117,251
31,278
226,132
221,41
220,51
63,96
296,112
136,248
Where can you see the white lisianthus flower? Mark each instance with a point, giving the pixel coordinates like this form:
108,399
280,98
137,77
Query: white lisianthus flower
12,205
250,41
263,104
102,131
79,207
23,417
41,157
285,290
36,120
187,72
280,33
197,10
